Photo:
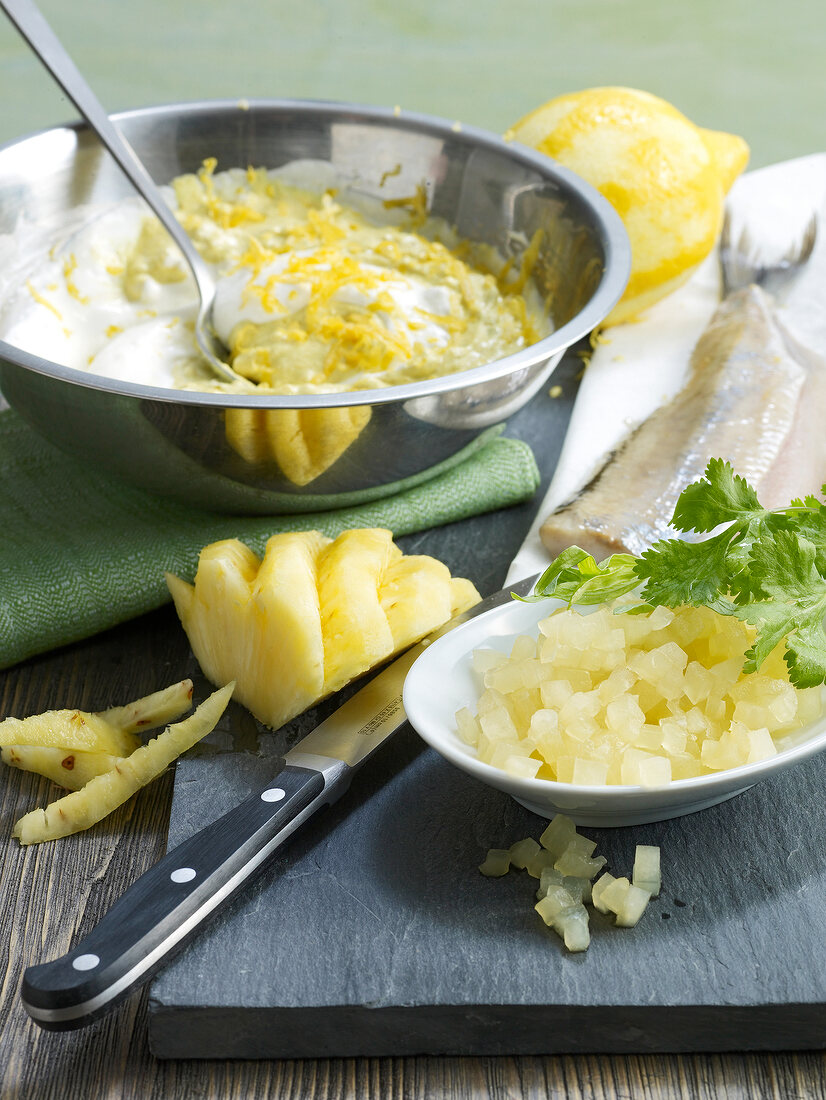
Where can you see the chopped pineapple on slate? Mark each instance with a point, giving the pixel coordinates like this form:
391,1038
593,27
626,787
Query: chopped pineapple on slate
565,863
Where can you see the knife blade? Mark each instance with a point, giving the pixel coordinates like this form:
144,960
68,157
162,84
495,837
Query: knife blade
165,907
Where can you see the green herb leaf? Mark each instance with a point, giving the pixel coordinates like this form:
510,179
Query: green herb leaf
767,568
678,573
720,497
786,564
575,577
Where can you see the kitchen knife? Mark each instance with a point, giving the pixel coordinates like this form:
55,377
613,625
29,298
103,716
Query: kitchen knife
166,905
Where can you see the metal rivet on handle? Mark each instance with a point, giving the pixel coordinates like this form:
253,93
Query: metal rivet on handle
274,794
183,874
85,962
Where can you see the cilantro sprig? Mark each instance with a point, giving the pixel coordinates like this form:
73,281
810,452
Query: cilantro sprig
766,567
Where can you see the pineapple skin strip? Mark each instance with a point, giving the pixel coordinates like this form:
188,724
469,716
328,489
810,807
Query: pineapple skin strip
68,729
104,793
72,768
158,709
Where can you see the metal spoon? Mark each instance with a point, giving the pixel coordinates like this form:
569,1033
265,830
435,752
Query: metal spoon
33,27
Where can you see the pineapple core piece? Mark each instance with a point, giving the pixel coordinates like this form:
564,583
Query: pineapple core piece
312,615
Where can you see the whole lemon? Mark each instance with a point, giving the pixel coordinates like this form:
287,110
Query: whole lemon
666,178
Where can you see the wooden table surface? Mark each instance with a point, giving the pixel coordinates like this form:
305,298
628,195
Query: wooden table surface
51,895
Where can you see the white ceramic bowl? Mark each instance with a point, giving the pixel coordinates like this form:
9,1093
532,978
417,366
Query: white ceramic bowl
442,680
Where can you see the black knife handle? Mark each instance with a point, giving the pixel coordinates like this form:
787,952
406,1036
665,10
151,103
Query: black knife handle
166,904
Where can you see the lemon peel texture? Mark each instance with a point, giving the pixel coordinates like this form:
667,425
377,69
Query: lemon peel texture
666,178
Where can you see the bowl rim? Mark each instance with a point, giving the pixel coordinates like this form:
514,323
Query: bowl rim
609,227
448,744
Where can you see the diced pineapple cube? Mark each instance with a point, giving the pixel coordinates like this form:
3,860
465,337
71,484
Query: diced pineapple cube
578,888
590,773
558,835
543,721
576,716
498,725
556,900
576,859
761,746
625,716
549,877
489,700
598,889
696,722
718,755
506,678
503,750
485,660
521,705
673,736
612,897
496,863
633,907
684,766
579,678
523,851
524,647
467,726
655,771
630,768
809,704
646,873
660,618
532,673
523,767
697,682
540,861
616,685
555,693
572,925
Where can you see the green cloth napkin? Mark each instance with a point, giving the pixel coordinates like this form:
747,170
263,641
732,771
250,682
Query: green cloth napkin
81,552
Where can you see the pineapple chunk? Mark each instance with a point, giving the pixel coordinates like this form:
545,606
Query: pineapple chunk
314,614
285,591
523,851
497,862
355,629
104,793
646,873
558,835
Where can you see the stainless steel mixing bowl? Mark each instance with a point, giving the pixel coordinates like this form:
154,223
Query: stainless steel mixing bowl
273,454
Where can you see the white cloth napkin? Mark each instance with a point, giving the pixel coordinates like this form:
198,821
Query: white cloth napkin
640,366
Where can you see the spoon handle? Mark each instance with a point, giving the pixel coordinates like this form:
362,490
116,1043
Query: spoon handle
32,25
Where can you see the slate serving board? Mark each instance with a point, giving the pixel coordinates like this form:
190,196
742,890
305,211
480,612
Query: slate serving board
374,934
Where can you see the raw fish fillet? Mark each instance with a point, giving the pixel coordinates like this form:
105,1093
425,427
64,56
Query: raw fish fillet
752,398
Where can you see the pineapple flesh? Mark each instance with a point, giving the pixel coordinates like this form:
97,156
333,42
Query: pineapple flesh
314,614
304,443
